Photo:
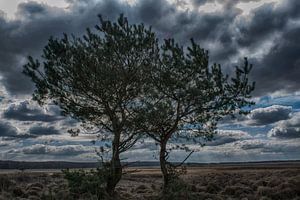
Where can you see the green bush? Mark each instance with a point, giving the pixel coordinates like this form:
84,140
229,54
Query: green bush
177,188
87,183
5,183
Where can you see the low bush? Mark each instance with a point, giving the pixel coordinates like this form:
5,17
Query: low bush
177,189
88,183
213,188
239,191
264,191
5,183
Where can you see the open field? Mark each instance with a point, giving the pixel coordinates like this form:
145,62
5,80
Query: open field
276,181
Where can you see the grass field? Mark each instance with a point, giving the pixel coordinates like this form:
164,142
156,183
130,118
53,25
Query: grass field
216,182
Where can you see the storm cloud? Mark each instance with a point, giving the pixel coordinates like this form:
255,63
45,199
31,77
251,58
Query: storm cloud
25,111
268,35
54,150
228,136
7,130
287,129
227,33
41,130
11,132
269,115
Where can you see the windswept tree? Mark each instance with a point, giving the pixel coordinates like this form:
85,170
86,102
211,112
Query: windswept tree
121,82
98,79
187,97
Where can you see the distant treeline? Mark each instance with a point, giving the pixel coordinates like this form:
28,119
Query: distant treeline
23,165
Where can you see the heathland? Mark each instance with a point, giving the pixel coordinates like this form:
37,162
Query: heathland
260,181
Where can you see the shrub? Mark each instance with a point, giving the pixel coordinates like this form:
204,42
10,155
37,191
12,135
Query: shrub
89,183
177,189
237,191
4,183
18,192
264,191
213,188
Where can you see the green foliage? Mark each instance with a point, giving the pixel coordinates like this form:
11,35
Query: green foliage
98,79
177,189
120,81
175,171
188,97
5,183
90,183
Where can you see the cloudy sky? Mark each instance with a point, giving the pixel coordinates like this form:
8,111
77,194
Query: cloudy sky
265,31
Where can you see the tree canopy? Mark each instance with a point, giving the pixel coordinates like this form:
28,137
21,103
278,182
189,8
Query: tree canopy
121,81
98,79
188,96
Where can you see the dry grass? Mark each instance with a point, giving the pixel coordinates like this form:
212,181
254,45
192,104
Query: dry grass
202,183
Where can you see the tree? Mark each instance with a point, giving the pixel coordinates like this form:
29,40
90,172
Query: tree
123,83
98,79
188,97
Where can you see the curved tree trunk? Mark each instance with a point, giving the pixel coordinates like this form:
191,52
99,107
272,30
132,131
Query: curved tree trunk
115,167
163,164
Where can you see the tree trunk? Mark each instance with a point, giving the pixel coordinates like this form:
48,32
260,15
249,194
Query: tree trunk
115,167
163,163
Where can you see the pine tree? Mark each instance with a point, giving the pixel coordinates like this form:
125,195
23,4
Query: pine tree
188,97
98,80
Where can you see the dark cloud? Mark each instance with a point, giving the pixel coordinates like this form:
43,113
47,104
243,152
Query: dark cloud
24,111
31,9
287,129
288,149
271,24
224,33
10,132
281,67
277,68
37,22
252,144
26,36
269,115
197,3
267,20
286,132
228,136
53,150
41,130
224,3
7,130
264,22
167,21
